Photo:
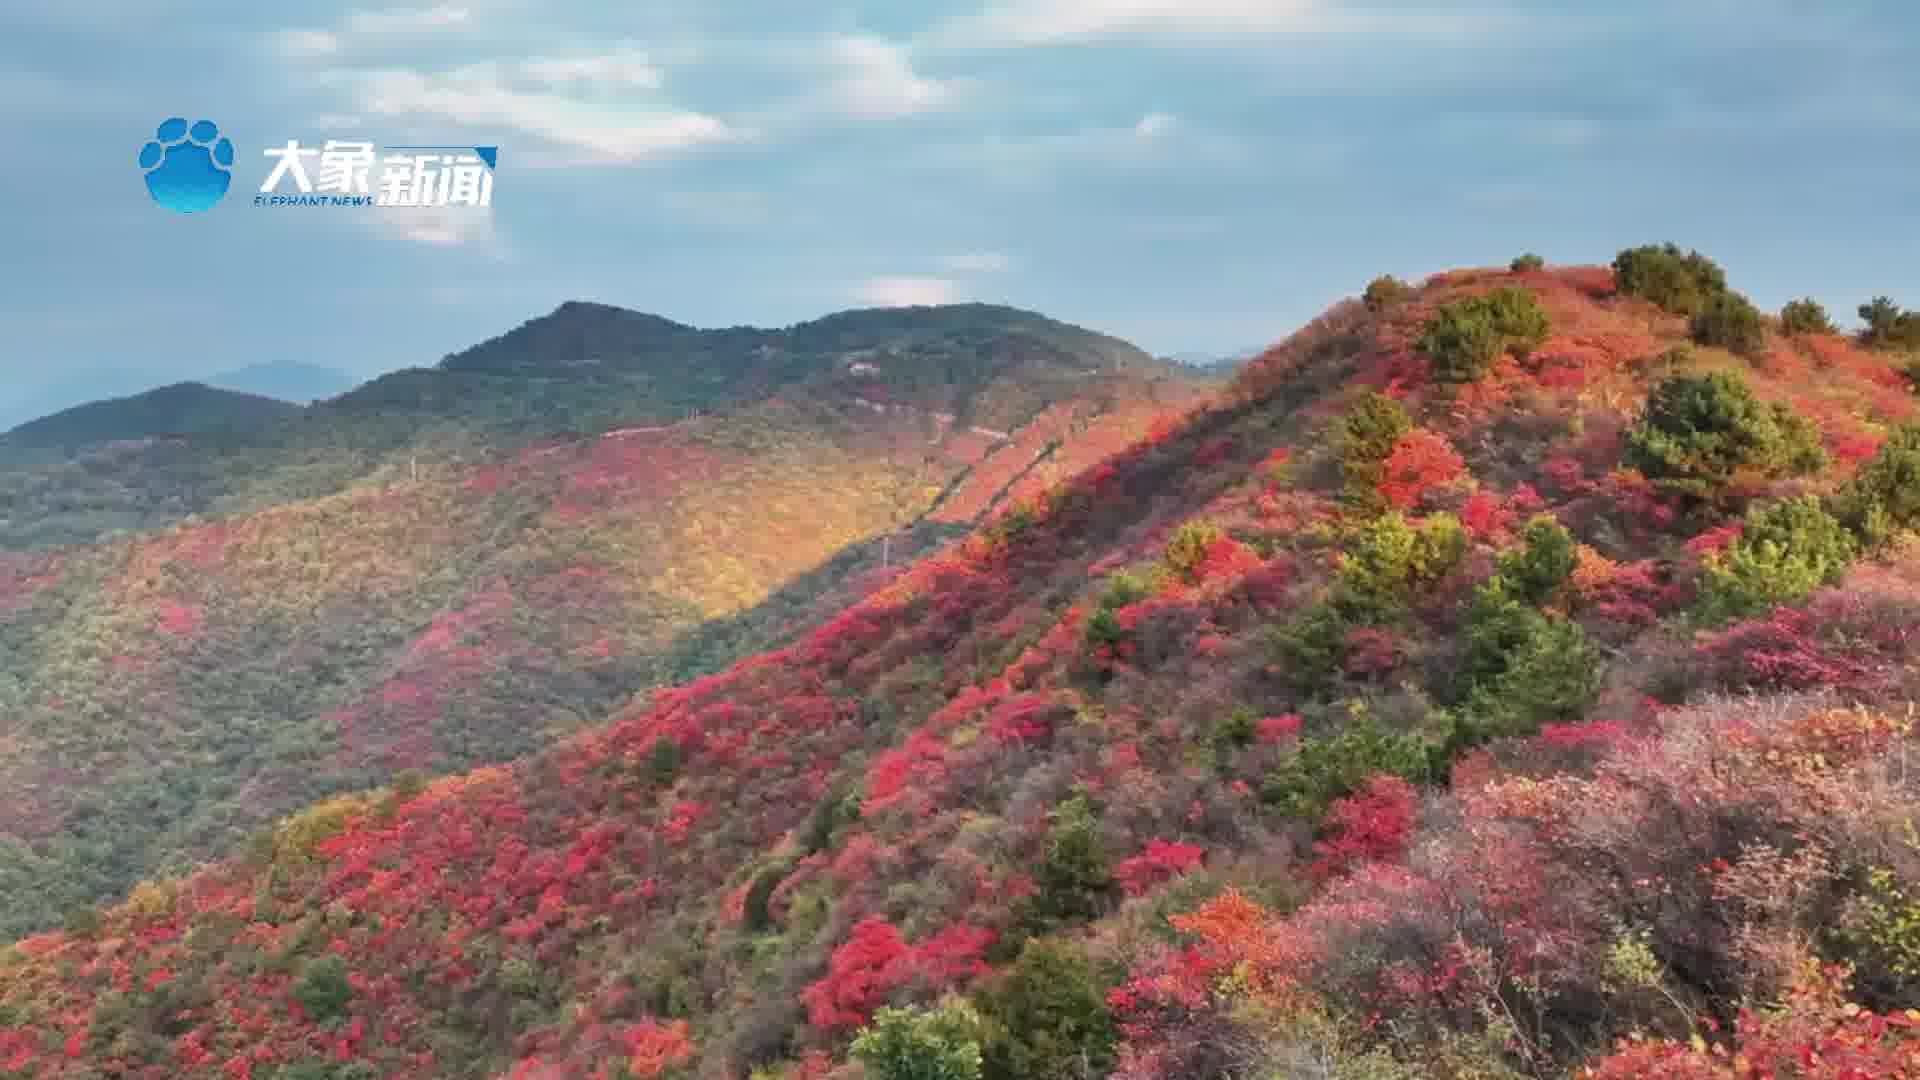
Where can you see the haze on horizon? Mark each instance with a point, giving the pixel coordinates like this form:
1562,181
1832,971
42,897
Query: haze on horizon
1193,175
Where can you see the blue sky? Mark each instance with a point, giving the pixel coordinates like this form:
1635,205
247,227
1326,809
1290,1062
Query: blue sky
1190,174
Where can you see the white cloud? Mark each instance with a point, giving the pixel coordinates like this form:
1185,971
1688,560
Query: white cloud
1041,22
335,121
979,262
876,78
306,43
442,227
397,21
907,291
1153,125
480,96
622,68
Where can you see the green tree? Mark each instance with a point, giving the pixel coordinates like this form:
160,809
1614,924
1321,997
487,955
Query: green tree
1681,282
922,1044
1389,558
1885,494
1889,326
323,990
1464,338
1329,768
1699,430
1543,562
1786,550
1805,316
1047,1017
1075,876
1368,433
1384,292
1528,262
1730,321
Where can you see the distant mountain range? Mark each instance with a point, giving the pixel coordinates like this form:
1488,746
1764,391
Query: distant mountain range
1218,364
217,607
287,381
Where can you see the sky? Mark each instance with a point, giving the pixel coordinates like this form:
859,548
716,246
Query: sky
1193,175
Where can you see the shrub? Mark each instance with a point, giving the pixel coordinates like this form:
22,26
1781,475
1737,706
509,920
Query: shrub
1075,876
922,1044
1330,768
1527,263
1805,316
1683,283
1730,321
1421,461
1699,430
1884,495
1464,338
1311,648
1552,676
1389,558
1188,547
1543,562
1880,931
1368,433
1888,326
1786,550
1047,1017
1384,292
323,990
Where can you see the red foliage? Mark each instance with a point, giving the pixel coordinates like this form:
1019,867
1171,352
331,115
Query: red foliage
1273,729
1161,861
874,961
1716,539
1817,1033
653,1048
1421,461
862,971
1370,652
1485,516
1369,826
1797,649
1226,558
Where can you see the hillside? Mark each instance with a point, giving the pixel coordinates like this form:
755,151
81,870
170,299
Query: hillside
583,368
167,692
1493,683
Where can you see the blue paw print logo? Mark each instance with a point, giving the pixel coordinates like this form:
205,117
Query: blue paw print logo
188,168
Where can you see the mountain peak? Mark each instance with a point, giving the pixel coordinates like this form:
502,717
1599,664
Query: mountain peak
182,408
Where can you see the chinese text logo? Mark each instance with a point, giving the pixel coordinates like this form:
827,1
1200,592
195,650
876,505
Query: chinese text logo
350,174
187,168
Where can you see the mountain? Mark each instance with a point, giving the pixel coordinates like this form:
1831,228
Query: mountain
1503,679
286,380
582,368
179,410
1221,365
453,567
